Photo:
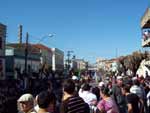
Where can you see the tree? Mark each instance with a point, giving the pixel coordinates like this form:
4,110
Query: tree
122,65
133,61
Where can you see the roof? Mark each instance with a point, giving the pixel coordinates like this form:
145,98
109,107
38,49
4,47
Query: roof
34,48
43,47
22,47
2,25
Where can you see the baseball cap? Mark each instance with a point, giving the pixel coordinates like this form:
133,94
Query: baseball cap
119,77
26,98
134,78
101,84
74,78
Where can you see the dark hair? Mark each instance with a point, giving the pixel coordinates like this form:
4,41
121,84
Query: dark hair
86,87
126,88
69,86
45,98
105,91
136,82
96,91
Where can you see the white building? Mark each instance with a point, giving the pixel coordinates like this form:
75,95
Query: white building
79,64
2,50
107,65
57,59
144,68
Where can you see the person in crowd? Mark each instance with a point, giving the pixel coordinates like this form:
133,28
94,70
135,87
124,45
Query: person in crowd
135,88
107,104
26,104
118,96
101,84
76,81
47,87
133,101
96,91
148,99
144,91
87,95
46,102
72,103
36,106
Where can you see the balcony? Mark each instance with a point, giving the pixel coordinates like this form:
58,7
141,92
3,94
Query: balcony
145,20
146,43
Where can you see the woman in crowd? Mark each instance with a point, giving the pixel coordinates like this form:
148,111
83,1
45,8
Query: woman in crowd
107,104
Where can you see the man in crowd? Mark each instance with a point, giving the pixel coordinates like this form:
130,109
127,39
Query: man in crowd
26,104
133,101
87,95
46,102
72,103
118,96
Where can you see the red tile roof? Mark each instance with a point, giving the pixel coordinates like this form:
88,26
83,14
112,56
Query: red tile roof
34,48
40,46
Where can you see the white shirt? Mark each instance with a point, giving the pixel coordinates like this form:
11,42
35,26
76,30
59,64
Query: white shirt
87,96
136,90
148,99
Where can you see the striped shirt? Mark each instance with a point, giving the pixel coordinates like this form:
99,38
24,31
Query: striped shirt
74,104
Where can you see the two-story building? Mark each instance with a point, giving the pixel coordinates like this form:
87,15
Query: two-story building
145,28
53,57
79,64
57,59
2,50
15,59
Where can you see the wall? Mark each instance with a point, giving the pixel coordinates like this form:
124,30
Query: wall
2,50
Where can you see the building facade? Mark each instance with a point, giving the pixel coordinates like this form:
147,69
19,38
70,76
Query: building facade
79,64
145,28
105,64
144,68
57,59
46,54
2,50
15,62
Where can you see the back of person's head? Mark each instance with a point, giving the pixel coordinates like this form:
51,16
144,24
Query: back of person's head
126,87
86,87
69,86
45,98
105,91
136,82
96,91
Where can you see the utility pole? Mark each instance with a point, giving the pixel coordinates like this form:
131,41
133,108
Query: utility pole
68,59
26,53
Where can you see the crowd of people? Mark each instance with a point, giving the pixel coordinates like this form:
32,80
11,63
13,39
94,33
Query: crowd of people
9,93
113,94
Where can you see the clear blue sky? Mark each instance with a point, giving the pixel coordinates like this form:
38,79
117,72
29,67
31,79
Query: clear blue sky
91,28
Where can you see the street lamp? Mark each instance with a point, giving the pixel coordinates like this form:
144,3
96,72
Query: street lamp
26,48
43,37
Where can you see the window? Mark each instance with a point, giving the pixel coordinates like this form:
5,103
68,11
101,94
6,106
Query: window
1,43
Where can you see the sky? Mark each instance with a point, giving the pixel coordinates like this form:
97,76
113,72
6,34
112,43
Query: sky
90,28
